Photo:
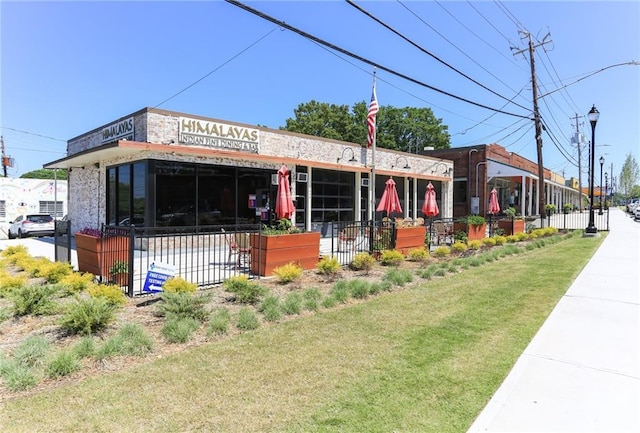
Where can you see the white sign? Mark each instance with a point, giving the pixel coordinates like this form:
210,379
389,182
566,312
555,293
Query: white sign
157,274
119,130
219,135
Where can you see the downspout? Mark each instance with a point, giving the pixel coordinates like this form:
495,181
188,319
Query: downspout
469,180
477,166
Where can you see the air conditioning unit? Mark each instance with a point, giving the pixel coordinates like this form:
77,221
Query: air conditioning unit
364,182
301,177
274,179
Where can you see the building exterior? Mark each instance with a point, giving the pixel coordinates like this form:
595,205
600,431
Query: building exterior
162,168
478,169
23,196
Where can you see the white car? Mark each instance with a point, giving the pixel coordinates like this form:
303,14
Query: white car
636,213
37,224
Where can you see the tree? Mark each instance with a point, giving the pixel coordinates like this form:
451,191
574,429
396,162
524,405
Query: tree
629,176
46,173
408,129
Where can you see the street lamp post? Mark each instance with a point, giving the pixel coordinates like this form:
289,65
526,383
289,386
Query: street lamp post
593,116
601,164
606,187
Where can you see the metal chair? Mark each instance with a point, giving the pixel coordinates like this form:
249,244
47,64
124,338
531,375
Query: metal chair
239,245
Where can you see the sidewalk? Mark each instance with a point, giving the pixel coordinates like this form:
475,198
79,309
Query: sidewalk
581,371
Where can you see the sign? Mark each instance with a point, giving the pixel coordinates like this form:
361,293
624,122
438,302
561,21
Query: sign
252,201
122,130
157,274
218,135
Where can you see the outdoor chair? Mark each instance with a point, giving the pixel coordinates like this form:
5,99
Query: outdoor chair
351,235
442,233
239,246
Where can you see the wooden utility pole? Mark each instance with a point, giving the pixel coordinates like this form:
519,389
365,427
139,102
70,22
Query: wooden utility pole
538,124
578,141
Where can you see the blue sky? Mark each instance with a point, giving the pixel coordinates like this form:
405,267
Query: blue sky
70,67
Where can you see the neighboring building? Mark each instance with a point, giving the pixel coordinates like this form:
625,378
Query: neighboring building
162,168
479,169
23,196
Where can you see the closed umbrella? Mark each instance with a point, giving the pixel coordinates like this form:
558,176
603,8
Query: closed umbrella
494,206
389,202
430,206
284,204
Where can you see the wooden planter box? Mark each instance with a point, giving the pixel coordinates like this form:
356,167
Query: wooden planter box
270,252
511,227
474,232
409,238
96,255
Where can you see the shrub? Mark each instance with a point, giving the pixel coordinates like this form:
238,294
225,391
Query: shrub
19,378
358,288
292,303
522,236
179,330
329,266
458,247
362,262
287,273
183,305
34,266
391,258
247,292
460,236
134,340
271,308
35,299
500,240
426,273
399,277
76,282
88,315
53,272
85,348
311,299
329,302
32,351
442,251
511,239
418,254
10,282
111,294
475,244
489,242
340,291
246,320
12,250
219,321
440,272
62,364
178,285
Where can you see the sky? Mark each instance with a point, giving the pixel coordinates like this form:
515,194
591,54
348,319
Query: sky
70,67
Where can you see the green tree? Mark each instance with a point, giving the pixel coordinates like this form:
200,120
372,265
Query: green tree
45,173
408,129
629,175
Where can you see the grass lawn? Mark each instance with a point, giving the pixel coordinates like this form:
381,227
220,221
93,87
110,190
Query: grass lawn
423,359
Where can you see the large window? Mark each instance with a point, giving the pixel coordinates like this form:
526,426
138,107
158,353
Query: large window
332,196
126,194
460,191
53,208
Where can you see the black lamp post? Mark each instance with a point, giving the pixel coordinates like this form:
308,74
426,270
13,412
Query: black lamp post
601,164
606,187
593,116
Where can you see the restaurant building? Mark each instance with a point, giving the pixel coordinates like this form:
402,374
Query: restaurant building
161,168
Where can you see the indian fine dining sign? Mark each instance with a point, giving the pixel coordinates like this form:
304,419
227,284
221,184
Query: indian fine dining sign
218,135
157,274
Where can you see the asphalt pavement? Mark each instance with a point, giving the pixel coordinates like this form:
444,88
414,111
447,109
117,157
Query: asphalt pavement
581,371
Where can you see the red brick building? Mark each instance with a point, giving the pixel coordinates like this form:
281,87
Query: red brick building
478,169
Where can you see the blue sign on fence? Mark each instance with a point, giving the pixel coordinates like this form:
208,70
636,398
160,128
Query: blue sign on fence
157,274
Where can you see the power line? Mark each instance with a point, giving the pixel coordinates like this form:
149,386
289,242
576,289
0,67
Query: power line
33,133
364,60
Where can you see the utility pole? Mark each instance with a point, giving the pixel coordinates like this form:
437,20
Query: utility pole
578,141
536,119
4,158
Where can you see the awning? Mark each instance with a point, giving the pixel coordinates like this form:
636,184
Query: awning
499,169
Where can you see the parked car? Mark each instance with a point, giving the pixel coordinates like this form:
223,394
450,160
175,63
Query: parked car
632,204
636,213
38,224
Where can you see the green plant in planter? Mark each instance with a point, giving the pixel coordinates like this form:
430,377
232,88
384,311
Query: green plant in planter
550,208
475,220
510,212
119,267
568,207
281,227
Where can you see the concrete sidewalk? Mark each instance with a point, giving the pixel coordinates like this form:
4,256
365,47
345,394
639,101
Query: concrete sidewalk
581,371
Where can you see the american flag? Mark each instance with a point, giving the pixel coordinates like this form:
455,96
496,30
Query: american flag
371,118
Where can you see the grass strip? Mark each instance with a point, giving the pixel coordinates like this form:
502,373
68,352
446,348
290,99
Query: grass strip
422,359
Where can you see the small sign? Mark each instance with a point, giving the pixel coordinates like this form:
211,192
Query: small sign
252,201
157,274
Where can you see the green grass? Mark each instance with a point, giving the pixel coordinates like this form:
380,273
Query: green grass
423,359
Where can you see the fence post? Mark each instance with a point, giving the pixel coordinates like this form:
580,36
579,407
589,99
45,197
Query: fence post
130,262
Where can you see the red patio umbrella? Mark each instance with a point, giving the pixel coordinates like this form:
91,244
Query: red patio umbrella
430,206
284,204
389,201
494,206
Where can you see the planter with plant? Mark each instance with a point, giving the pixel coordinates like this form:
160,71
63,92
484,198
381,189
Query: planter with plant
119,272
474,225
513,224
410,237
281,244
568,207
550,208
97,251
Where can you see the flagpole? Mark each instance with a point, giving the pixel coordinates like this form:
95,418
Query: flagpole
372,186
